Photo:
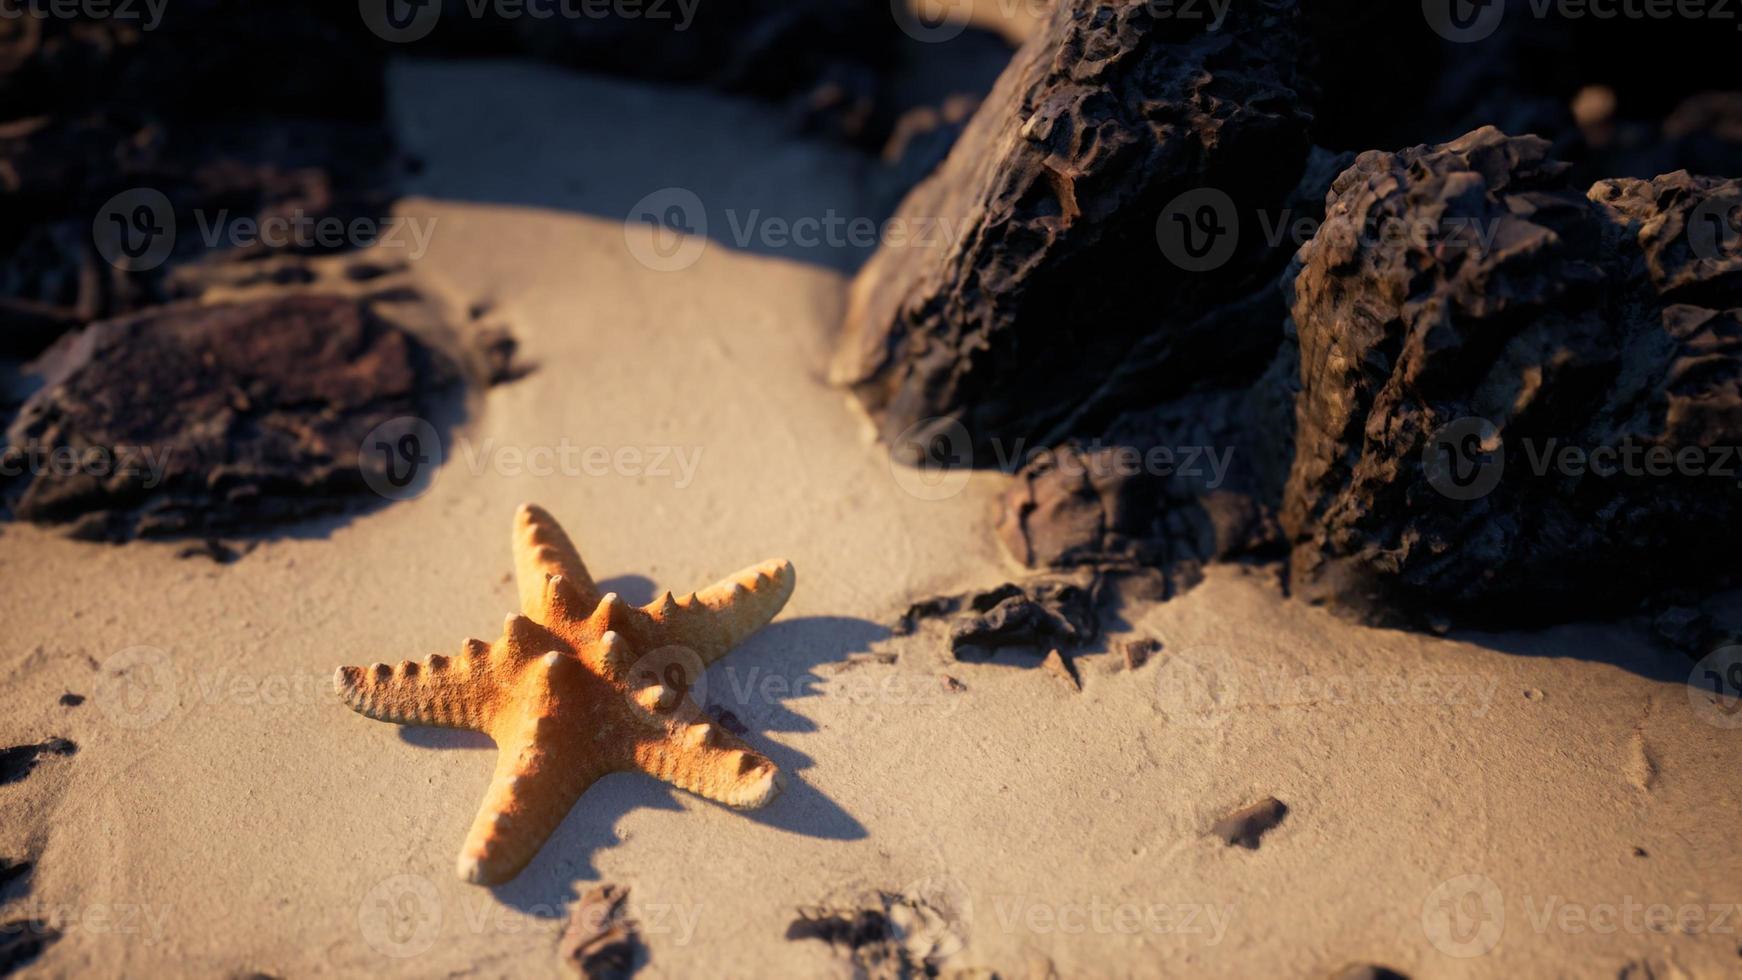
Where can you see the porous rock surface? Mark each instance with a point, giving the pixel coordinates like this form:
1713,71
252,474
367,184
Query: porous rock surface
213,418
1447,366
1041,301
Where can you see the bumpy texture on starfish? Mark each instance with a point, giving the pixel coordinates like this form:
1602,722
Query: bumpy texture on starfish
578,686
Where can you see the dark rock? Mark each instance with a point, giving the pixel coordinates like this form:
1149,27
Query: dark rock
889,934
1047,277
1445,370
1135,653
600,941
1043,614
1244,827
72,700
758,47
191,419
20,761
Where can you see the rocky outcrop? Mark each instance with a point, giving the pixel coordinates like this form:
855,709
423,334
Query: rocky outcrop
192,419
1033,297
1517,400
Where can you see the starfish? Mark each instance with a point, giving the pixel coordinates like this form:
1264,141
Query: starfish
580,685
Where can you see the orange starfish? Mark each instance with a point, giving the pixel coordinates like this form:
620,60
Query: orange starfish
578,686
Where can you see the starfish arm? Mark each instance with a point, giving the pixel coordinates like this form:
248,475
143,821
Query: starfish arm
541,550
447,692
538,778
716,619
710,762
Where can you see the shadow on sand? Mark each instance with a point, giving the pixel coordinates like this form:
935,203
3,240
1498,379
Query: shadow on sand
755,683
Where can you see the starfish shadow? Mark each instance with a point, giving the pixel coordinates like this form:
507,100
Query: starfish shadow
786,651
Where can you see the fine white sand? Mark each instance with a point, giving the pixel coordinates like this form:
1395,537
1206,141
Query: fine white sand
225,813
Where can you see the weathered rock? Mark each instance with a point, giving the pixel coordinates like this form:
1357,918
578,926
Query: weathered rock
194,419
601,941
1040,614
1466,316
1045,273
1247,825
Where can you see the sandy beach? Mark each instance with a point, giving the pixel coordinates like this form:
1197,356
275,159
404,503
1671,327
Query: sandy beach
1470,805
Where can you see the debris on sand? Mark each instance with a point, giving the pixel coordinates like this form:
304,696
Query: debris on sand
600,941
1244,827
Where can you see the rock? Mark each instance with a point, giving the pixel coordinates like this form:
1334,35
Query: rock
1445,372
600,941
1039,614
1135,653
1045,277
1245,826
1056,664
190,419
890,934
